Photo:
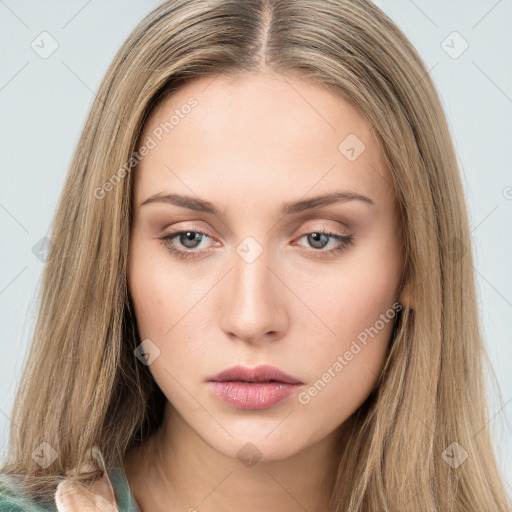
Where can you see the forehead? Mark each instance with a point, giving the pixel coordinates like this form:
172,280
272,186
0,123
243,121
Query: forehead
259,133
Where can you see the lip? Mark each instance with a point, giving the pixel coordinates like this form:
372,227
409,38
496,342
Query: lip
256,388
260,373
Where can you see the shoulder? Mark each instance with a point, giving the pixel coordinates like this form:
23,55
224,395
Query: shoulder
69,497
7,505
12,503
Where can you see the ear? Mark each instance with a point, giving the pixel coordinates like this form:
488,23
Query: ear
406,297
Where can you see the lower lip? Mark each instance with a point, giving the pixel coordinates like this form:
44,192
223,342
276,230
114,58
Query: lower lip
244,395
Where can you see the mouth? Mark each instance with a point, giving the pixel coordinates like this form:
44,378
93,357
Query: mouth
262,373
252,381
256,388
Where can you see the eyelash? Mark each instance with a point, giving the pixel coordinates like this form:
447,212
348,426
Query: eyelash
346,241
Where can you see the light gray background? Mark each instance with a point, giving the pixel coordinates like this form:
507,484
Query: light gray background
44,102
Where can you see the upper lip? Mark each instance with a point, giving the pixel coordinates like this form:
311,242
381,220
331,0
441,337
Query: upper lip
260,373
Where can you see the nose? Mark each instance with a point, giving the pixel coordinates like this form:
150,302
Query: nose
253,301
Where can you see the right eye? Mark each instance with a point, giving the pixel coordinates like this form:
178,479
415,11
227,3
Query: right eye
188,239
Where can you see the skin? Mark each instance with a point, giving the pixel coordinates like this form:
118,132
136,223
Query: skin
252,143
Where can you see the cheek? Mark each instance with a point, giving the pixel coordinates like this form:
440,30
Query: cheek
352,298
355,306
153,301
169,310
161,307
160,292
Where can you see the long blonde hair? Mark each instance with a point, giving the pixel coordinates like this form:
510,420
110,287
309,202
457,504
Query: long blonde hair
82,386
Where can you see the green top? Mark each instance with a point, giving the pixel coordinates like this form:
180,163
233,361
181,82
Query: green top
9,502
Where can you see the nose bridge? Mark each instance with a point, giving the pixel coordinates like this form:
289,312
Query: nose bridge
252,306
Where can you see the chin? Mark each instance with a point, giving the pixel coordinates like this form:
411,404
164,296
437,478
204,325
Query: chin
257,443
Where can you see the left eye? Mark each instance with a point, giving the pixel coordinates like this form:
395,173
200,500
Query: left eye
319,239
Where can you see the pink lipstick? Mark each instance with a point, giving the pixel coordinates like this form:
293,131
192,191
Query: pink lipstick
261,387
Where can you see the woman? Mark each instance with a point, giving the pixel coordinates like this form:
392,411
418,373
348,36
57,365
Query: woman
260,291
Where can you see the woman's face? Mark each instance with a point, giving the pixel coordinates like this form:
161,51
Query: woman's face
252,280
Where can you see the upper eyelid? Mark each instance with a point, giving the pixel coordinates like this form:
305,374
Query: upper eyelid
327,232
342,230
302,232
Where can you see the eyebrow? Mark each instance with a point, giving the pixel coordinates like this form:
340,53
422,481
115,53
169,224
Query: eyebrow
194,203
